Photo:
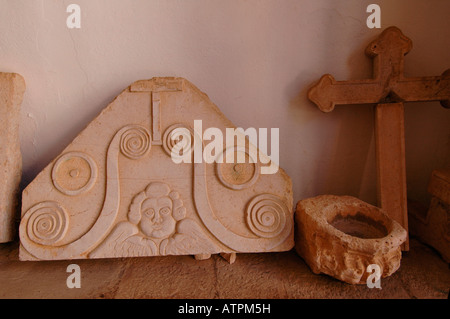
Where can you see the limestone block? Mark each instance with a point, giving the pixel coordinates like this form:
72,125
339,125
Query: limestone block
129,185
12,88
341,236
434,227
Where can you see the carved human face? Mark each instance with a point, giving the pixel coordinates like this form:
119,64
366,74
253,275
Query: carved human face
157,220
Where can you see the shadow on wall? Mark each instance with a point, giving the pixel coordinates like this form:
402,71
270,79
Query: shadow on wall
344,146
345,157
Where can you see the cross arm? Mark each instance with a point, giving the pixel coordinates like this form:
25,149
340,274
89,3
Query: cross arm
328,92
433,88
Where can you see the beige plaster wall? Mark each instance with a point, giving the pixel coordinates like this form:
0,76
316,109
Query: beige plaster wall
254,58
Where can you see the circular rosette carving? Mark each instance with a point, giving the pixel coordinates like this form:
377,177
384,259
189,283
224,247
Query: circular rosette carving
74,173
266,215
181,137
238,169
47,223
135,142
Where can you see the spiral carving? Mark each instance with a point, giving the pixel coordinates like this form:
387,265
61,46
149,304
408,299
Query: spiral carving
266,215
135,142
47,223
178,133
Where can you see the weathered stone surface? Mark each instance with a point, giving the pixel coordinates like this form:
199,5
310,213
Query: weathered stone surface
389,89
423,275
341,235
434,227
12,88
116,191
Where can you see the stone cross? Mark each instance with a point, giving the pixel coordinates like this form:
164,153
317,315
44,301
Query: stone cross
388,89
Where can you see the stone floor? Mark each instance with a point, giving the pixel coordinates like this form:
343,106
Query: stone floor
423,274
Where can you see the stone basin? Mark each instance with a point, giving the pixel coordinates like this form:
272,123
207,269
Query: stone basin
341,236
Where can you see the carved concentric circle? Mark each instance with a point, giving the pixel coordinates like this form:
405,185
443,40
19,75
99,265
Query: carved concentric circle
47,223
178,133
74,173
266,215
236,173
135,142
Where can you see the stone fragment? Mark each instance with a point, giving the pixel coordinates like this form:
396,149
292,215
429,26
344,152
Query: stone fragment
12,88
129,185
434,227
341,236
202,256
231,257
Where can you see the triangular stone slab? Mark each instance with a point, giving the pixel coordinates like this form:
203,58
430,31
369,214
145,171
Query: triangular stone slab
116,191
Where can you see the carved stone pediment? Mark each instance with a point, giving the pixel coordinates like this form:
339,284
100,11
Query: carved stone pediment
118,190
